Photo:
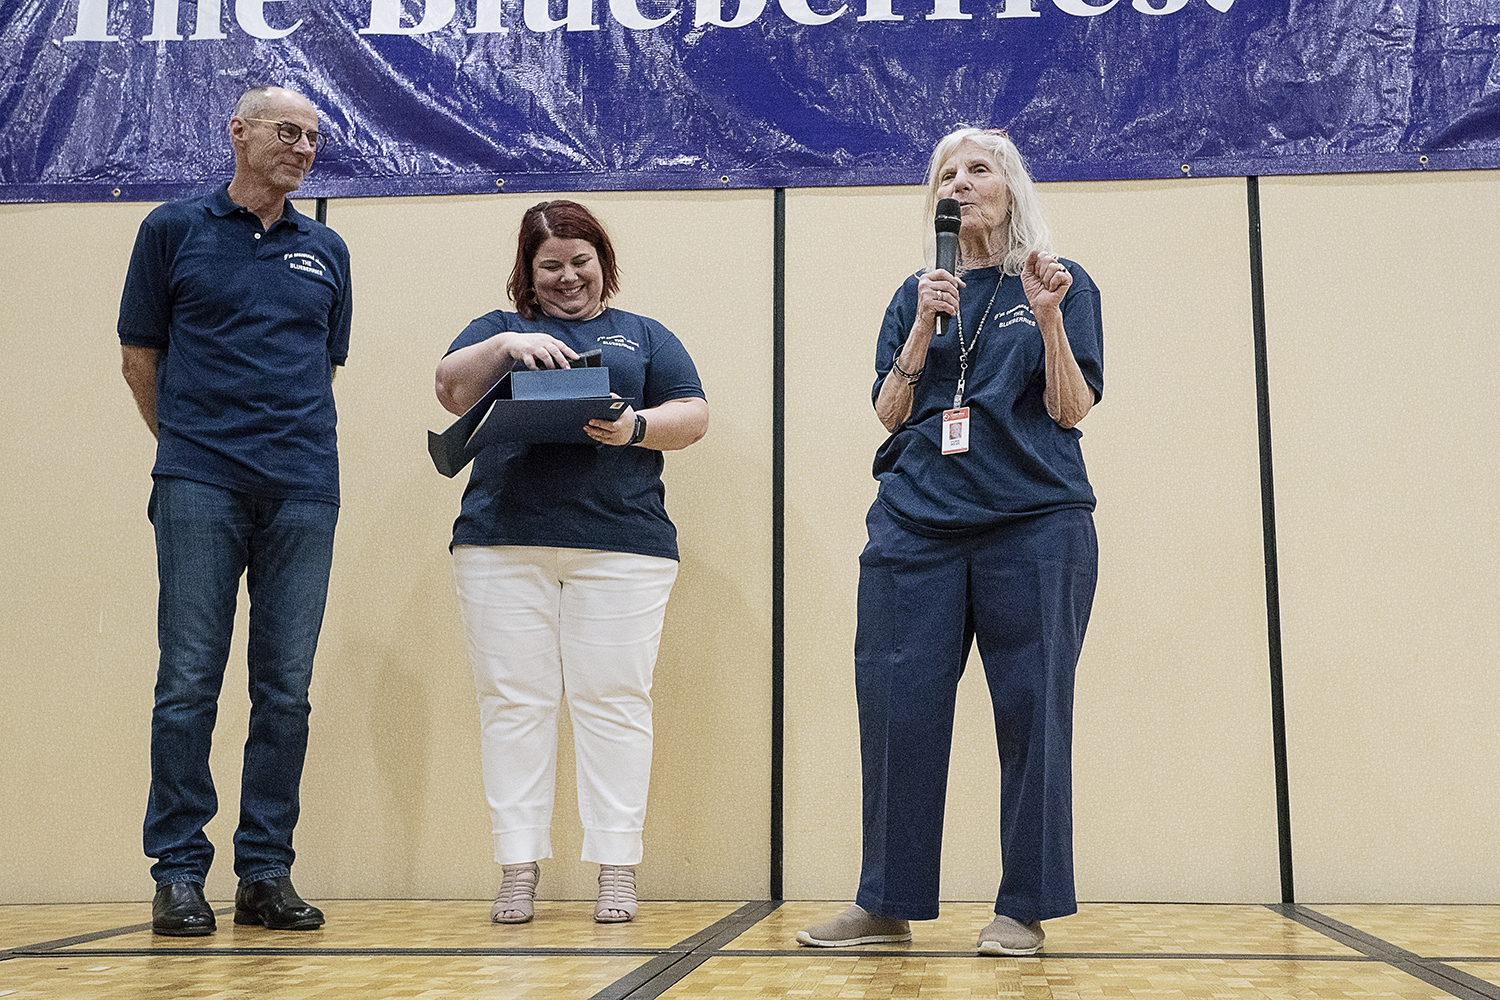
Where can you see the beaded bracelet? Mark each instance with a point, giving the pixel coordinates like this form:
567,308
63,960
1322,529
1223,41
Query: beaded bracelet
911,377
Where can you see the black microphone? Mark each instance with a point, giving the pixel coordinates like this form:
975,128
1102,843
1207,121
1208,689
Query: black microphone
947,224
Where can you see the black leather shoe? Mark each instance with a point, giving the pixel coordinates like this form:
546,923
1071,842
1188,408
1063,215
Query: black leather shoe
275,903
179,910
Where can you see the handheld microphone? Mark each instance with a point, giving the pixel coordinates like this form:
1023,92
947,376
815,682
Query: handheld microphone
947,223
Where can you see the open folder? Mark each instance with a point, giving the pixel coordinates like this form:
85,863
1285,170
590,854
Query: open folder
546,405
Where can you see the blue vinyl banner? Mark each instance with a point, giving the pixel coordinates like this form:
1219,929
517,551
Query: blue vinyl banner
128,99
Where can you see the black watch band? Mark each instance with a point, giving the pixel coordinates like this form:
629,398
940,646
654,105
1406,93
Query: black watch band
639,434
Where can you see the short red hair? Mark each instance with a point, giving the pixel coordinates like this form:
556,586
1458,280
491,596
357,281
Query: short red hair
566,220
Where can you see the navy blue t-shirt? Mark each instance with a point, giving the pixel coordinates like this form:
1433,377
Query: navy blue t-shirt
581,496
1020,462
250,324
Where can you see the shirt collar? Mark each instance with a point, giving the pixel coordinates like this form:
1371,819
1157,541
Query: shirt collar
220,204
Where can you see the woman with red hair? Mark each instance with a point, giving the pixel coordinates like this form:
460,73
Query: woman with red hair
564,558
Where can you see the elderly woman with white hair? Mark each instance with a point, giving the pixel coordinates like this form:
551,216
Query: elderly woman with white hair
982,530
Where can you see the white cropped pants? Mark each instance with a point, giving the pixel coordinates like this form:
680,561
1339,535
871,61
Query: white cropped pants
544,623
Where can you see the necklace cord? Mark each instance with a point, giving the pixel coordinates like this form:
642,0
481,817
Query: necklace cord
964,349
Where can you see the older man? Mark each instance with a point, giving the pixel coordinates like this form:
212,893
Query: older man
235,313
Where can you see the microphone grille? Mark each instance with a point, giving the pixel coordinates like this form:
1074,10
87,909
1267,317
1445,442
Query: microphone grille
948,219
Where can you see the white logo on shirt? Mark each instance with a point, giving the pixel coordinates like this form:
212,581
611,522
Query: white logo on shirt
1017,314
305,262
619,340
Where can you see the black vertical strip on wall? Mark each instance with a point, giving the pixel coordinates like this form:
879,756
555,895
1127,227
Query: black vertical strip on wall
778,533
1268,531
321,212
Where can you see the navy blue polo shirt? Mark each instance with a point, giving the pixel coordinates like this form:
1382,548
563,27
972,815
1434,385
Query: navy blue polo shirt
1020,463
582,496
249,323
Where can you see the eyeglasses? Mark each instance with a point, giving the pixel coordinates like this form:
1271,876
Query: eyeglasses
292,134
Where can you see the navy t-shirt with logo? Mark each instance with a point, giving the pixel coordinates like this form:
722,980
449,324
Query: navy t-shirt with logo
1020,463
250,323
581,496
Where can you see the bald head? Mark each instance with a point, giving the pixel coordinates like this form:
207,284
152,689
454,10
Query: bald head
275,136
257,101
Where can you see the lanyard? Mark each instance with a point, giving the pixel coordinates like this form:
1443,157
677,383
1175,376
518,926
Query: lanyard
964,349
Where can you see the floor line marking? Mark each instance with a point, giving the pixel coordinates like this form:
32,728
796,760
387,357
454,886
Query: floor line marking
701,947
1432,972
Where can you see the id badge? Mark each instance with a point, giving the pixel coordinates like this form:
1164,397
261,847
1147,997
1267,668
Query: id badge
956,431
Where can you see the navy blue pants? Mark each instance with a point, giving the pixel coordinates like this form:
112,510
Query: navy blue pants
1024,591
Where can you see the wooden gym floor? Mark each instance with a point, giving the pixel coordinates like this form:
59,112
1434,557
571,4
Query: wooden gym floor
428,949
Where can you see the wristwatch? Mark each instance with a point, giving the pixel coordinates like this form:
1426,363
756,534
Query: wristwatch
639,434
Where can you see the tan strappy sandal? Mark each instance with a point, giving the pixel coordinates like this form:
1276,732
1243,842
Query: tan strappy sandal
516,900
617,903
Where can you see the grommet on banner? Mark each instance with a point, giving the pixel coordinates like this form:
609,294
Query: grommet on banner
116,192
1422,160
724,179
499,182
1186,169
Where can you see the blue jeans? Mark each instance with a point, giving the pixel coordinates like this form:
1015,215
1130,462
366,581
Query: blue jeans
206,538
1023,590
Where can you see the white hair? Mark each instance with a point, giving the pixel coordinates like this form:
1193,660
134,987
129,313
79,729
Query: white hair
1027,230
253,102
